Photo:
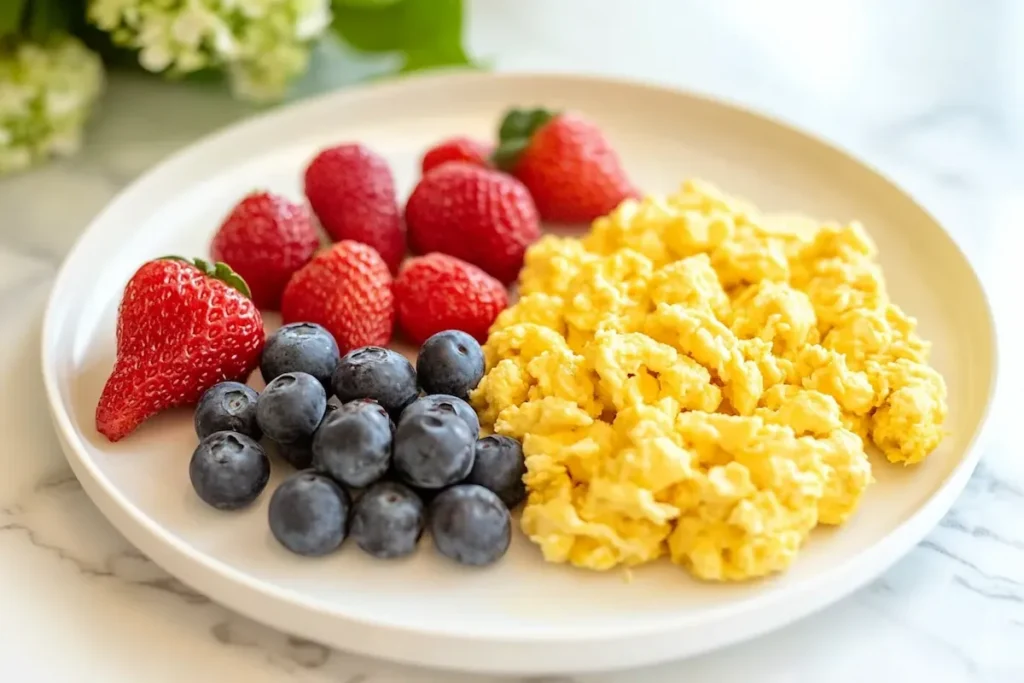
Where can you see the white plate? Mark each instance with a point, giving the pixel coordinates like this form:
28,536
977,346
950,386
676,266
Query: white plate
522,615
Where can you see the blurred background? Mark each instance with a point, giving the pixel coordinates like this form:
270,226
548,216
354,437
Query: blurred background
929,91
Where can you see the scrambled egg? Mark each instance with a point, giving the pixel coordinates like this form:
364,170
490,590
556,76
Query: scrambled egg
696,380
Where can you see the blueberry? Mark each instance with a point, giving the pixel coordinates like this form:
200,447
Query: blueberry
450,362
227,407
433,449
354,444
300,455
229,470
388,520
308,514
470,525
300,347
383,375
499,466
291,407
447,403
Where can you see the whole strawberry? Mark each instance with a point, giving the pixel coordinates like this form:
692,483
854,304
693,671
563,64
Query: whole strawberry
265,239
439,292
352,193
346,289
181,328
566,162
457,149
476,214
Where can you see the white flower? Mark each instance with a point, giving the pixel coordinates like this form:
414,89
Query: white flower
46,94
261,44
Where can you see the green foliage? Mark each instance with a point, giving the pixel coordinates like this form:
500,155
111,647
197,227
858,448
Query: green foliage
426,33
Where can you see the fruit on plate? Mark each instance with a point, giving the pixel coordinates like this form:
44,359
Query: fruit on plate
352,192
388,520
354,452
353,445
458,148
446,403
228,470
265,239
181,328
499,466
470,525
227,407
291,407
569,166
477,214
433,449
346,289
300,347
376,373
308,514
438,292
450,362
300,454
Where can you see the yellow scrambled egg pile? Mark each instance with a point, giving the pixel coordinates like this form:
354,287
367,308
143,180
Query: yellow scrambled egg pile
696,379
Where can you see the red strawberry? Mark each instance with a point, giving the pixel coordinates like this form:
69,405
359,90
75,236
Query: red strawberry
439,292
476,214
566,162
457,149
265,239
181,328
352,192
347,289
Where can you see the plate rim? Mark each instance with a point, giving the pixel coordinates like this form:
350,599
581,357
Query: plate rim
803,598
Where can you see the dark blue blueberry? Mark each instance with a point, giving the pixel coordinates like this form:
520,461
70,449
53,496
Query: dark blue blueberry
380,374
300,347
291,407
229,470
447,403
353,445
227,407
388,520
450,362
308,514
433,449
300,455
499,466
470,525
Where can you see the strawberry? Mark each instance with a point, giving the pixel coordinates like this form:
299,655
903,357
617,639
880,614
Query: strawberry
352,193
347,289
457,149
181,328
265,239
476,214
566,162
439,292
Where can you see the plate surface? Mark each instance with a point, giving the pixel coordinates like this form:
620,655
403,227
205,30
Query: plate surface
521,616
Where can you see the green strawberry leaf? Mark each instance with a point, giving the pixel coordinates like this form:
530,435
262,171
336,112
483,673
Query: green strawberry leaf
426,33
506,154
223,272
514,133
218,271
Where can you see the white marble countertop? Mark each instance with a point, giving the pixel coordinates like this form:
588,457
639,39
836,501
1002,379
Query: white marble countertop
930,91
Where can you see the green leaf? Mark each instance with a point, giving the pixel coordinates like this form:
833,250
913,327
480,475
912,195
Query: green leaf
223,272
47,17
517,127
218,271
364,3
11,13
427,33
